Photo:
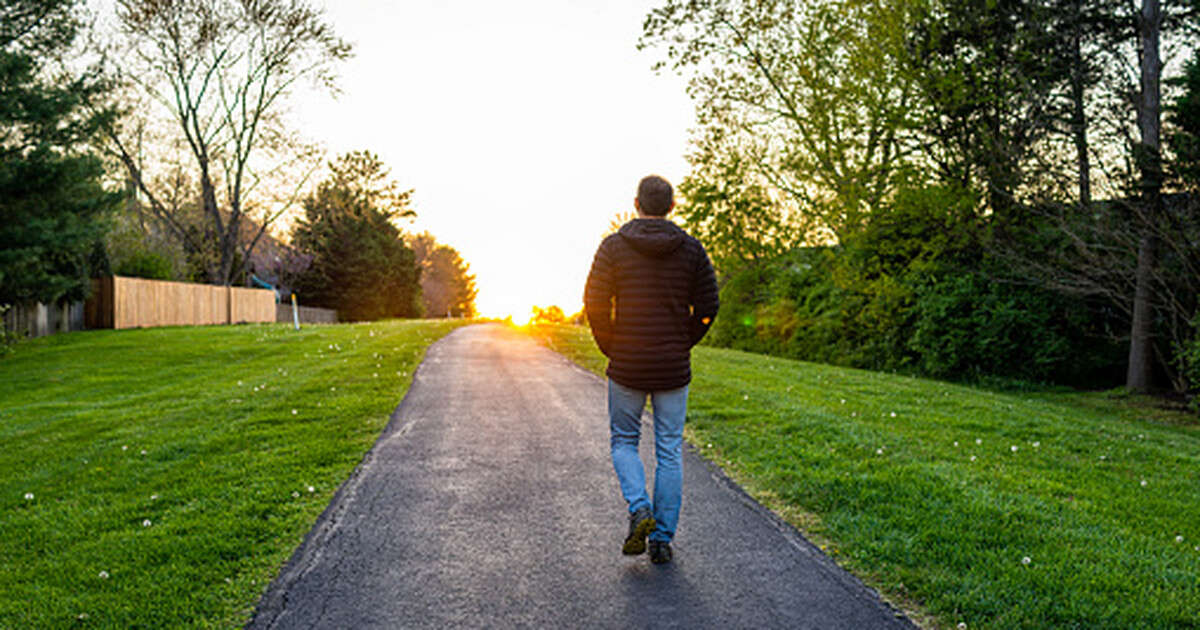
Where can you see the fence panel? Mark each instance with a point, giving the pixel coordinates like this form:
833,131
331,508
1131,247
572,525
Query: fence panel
120,302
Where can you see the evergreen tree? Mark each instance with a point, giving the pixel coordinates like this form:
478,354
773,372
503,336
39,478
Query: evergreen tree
360,264
52,204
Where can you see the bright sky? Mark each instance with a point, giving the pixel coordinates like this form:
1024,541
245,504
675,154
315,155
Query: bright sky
523,127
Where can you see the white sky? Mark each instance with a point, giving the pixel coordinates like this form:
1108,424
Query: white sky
523,127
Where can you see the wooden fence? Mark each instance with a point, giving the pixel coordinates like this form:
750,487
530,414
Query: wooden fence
38,320
120,302
308,314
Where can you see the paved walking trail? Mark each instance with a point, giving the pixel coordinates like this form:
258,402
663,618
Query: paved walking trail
490,502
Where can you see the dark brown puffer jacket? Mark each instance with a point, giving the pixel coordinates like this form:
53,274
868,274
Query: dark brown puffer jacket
665,294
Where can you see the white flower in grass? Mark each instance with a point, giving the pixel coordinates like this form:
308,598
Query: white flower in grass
1103,457
239,383
143,451
103,575
1144,483
1179,538
294,412
962,625
893,414
256,388
295,495
1036,444
1014,448
124,447
843,401
879,451
978,441
146,523
375,375
972,458
154,497
1025,561
28,496
745,397
956,443
332,389
312,489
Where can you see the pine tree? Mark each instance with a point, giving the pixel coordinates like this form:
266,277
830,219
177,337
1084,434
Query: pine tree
53,208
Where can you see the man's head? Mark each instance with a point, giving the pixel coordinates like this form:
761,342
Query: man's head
654,196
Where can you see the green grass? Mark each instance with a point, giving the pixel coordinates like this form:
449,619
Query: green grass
174,470
914,486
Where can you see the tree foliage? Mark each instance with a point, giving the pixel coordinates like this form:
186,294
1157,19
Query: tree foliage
53,207
360,264
217,74
447,284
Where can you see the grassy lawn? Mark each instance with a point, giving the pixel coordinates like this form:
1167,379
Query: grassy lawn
160,478
998,510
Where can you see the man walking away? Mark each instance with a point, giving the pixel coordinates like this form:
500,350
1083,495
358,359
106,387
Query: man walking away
658,282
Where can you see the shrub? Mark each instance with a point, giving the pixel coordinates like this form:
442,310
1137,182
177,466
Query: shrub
146,264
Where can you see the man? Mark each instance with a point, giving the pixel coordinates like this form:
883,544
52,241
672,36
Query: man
660,284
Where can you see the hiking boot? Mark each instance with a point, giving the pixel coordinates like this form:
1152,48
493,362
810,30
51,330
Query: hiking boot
660,551
641,523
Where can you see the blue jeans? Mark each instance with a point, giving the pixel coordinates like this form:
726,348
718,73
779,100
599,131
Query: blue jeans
625,407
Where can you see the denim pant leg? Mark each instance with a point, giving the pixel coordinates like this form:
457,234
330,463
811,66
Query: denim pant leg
625,407
670,409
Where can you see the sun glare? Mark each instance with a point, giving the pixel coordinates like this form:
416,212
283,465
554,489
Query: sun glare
521,319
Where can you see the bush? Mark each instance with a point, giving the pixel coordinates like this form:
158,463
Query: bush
146,264
1189,359
967,324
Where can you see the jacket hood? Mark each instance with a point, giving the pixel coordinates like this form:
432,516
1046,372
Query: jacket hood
652,237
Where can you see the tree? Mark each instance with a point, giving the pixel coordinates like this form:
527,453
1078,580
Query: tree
219,71
447,286
360,264
53,207
805,99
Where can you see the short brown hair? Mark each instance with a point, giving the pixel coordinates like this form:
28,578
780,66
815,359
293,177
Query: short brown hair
654,196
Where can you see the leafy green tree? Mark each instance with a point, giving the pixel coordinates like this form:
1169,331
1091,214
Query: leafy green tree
360,264
53,207
447,284
804,99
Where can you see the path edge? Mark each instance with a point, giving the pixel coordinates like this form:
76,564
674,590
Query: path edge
854,586
274,601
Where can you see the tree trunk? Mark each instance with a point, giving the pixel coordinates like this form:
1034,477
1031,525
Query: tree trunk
1139,378
1078,114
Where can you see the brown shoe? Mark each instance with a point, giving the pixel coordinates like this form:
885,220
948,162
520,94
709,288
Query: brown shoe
641,523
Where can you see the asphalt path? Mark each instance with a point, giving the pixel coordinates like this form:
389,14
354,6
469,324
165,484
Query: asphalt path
490,502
